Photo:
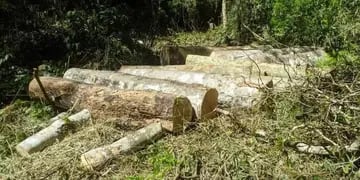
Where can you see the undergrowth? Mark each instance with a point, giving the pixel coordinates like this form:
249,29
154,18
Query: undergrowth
214,37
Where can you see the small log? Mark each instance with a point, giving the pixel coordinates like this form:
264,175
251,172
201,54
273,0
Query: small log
204,100
96,158
109,102
233,91
50,134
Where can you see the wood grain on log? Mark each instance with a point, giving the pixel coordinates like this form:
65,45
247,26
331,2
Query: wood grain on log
96,158
109,102
50,134
204,100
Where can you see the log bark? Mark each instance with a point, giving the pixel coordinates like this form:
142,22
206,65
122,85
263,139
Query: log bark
96,158
233,91
50,134
248,67
109,102
204,100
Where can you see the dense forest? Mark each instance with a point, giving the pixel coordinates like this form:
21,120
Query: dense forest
105,34
53,36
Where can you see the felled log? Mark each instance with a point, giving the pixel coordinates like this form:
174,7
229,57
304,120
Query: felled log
233,91
50,134
247,67
109,102
204,100
96,158
278,56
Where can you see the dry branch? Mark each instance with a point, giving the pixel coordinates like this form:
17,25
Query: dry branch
108,102
204,100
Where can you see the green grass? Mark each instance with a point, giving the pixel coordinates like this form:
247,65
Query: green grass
221,148
20,120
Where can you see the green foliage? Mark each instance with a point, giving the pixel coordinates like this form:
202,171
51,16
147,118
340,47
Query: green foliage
20,120
193,14
246,17
329,23
162,161
215,37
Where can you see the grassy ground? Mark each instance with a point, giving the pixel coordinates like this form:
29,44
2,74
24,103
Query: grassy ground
222,148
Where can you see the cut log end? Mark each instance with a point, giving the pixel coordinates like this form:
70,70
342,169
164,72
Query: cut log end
209,104
183,114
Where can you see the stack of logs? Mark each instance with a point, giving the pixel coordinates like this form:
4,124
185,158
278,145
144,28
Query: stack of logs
167,98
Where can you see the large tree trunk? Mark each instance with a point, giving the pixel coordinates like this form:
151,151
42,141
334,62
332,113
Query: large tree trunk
108,102
204,100
49,135
96,158
234,91
223,13
248,67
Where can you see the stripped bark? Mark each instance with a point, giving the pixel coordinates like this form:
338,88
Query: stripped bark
204,100
50,134
108,102
96,158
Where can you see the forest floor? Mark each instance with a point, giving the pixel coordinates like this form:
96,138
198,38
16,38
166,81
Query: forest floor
250,145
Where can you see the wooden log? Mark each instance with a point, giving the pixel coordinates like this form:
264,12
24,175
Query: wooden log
96,158
247,67
109,102
233,91
204,100
272,56
50,134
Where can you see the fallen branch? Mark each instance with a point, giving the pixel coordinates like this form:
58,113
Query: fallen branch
50,134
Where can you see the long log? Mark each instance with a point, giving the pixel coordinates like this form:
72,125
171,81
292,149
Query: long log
96,158
204,100
109,102
272,56
234,91
50,134
247,67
